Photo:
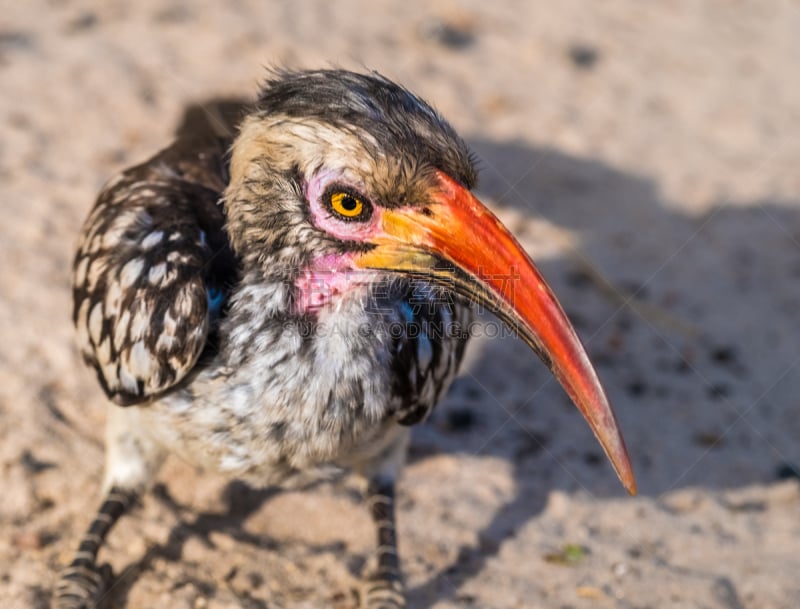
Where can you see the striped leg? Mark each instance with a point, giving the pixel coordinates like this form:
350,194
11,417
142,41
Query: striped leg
385,587
83,583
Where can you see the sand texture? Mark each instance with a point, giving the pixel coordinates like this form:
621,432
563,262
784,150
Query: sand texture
646,154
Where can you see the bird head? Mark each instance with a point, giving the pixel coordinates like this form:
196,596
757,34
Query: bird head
353,174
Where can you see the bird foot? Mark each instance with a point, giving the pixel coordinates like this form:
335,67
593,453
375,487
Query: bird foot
82,586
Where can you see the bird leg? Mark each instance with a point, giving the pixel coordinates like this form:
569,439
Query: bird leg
385,587
83,583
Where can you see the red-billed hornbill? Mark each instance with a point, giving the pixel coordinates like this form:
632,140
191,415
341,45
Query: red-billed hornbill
288,303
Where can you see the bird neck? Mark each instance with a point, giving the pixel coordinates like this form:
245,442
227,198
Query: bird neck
321,294
332,360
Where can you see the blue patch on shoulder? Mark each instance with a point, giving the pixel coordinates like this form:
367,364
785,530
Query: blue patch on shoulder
407,311
216,298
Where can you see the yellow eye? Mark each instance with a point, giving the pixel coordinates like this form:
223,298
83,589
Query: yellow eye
348,206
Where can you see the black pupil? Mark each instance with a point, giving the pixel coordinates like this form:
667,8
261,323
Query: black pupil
349,203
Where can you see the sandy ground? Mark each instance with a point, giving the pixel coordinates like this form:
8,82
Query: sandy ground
652,145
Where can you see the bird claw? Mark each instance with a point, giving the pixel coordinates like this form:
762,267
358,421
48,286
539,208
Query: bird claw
83,587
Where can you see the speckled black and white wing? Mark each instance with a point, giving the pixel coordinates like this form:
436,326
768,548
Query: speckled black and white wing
152,269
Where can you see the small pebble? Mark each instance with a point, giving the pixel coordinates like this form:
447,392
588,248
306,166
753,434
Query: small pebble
450,34
592,459
723,355
583,56
707,439
34,465
28,540
619,568
636,388
81,23
590,592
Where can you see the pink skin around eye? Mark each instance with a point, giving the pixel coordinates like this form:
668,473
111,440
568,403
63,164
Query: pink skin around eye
352,230
332,275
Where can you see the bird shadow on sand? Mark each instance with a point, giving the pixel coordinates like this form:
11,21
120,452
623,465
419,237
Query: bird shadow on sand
241,502
688,318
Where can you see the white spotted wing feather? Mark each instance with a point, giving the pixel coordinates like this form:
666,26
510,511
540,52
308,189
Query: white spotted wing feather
141,278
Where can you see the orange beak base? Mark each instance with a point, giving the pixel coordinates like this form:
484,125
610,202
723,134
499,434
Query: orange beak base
459,230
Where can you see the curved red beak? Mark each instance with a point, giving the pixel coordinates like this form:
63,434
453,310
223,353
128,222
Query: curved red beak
494,270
